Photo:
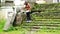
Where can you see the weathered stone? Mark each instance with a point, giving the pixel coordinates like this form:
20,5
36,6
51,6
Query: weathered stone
19,18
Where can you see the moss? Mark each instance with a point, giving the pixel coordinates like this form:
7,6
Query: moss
54,6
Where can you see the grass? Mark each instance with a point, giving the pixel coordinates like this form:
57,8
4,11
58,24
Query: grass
2,21
24,31
27,30
21,30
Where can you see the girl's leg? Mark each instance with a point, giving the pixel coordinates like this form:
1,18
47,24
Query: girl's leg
28,16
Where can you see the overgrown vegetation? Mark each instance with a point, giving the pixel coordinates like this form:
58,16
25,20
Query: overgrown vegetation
46,7
50,15
47,10
2,22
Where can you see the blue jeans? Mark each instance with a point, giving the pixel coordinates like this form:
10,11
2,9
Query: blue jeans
28,16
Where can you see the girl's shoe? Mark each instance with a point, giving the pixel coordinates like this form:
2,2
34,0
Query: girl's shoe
28,21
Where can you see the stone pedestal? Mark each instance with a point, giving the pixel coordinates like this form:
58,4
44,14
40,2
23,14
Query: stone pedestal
19,19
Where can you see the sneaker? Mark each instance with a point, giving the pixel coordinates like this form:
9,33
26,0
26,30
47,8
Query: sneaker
28,21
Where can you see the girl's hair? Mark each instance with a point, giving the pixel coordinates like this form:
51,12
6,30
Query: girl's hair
26,3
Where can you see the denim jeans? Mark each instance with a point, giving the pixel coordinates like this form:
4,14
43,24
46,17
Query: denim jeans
28,16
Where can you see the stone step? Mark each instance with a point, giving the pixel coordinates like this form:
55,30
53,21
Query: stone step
46,20
41,27
43,22
47,6
51,25
37,18
41,19
53,8
46,15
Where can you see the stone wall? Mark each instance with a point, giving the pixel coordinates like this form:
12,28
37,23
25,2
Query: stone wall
2,14
49,1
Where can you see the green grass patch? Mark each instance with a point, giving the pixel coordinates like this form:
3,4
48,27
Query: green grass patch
2,21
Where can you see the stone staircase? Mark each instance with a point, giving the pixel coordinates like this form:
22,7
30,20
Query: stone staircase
42,23
49,18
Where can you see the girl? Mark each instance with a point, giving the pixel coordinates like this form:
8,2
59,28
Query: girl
27,7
